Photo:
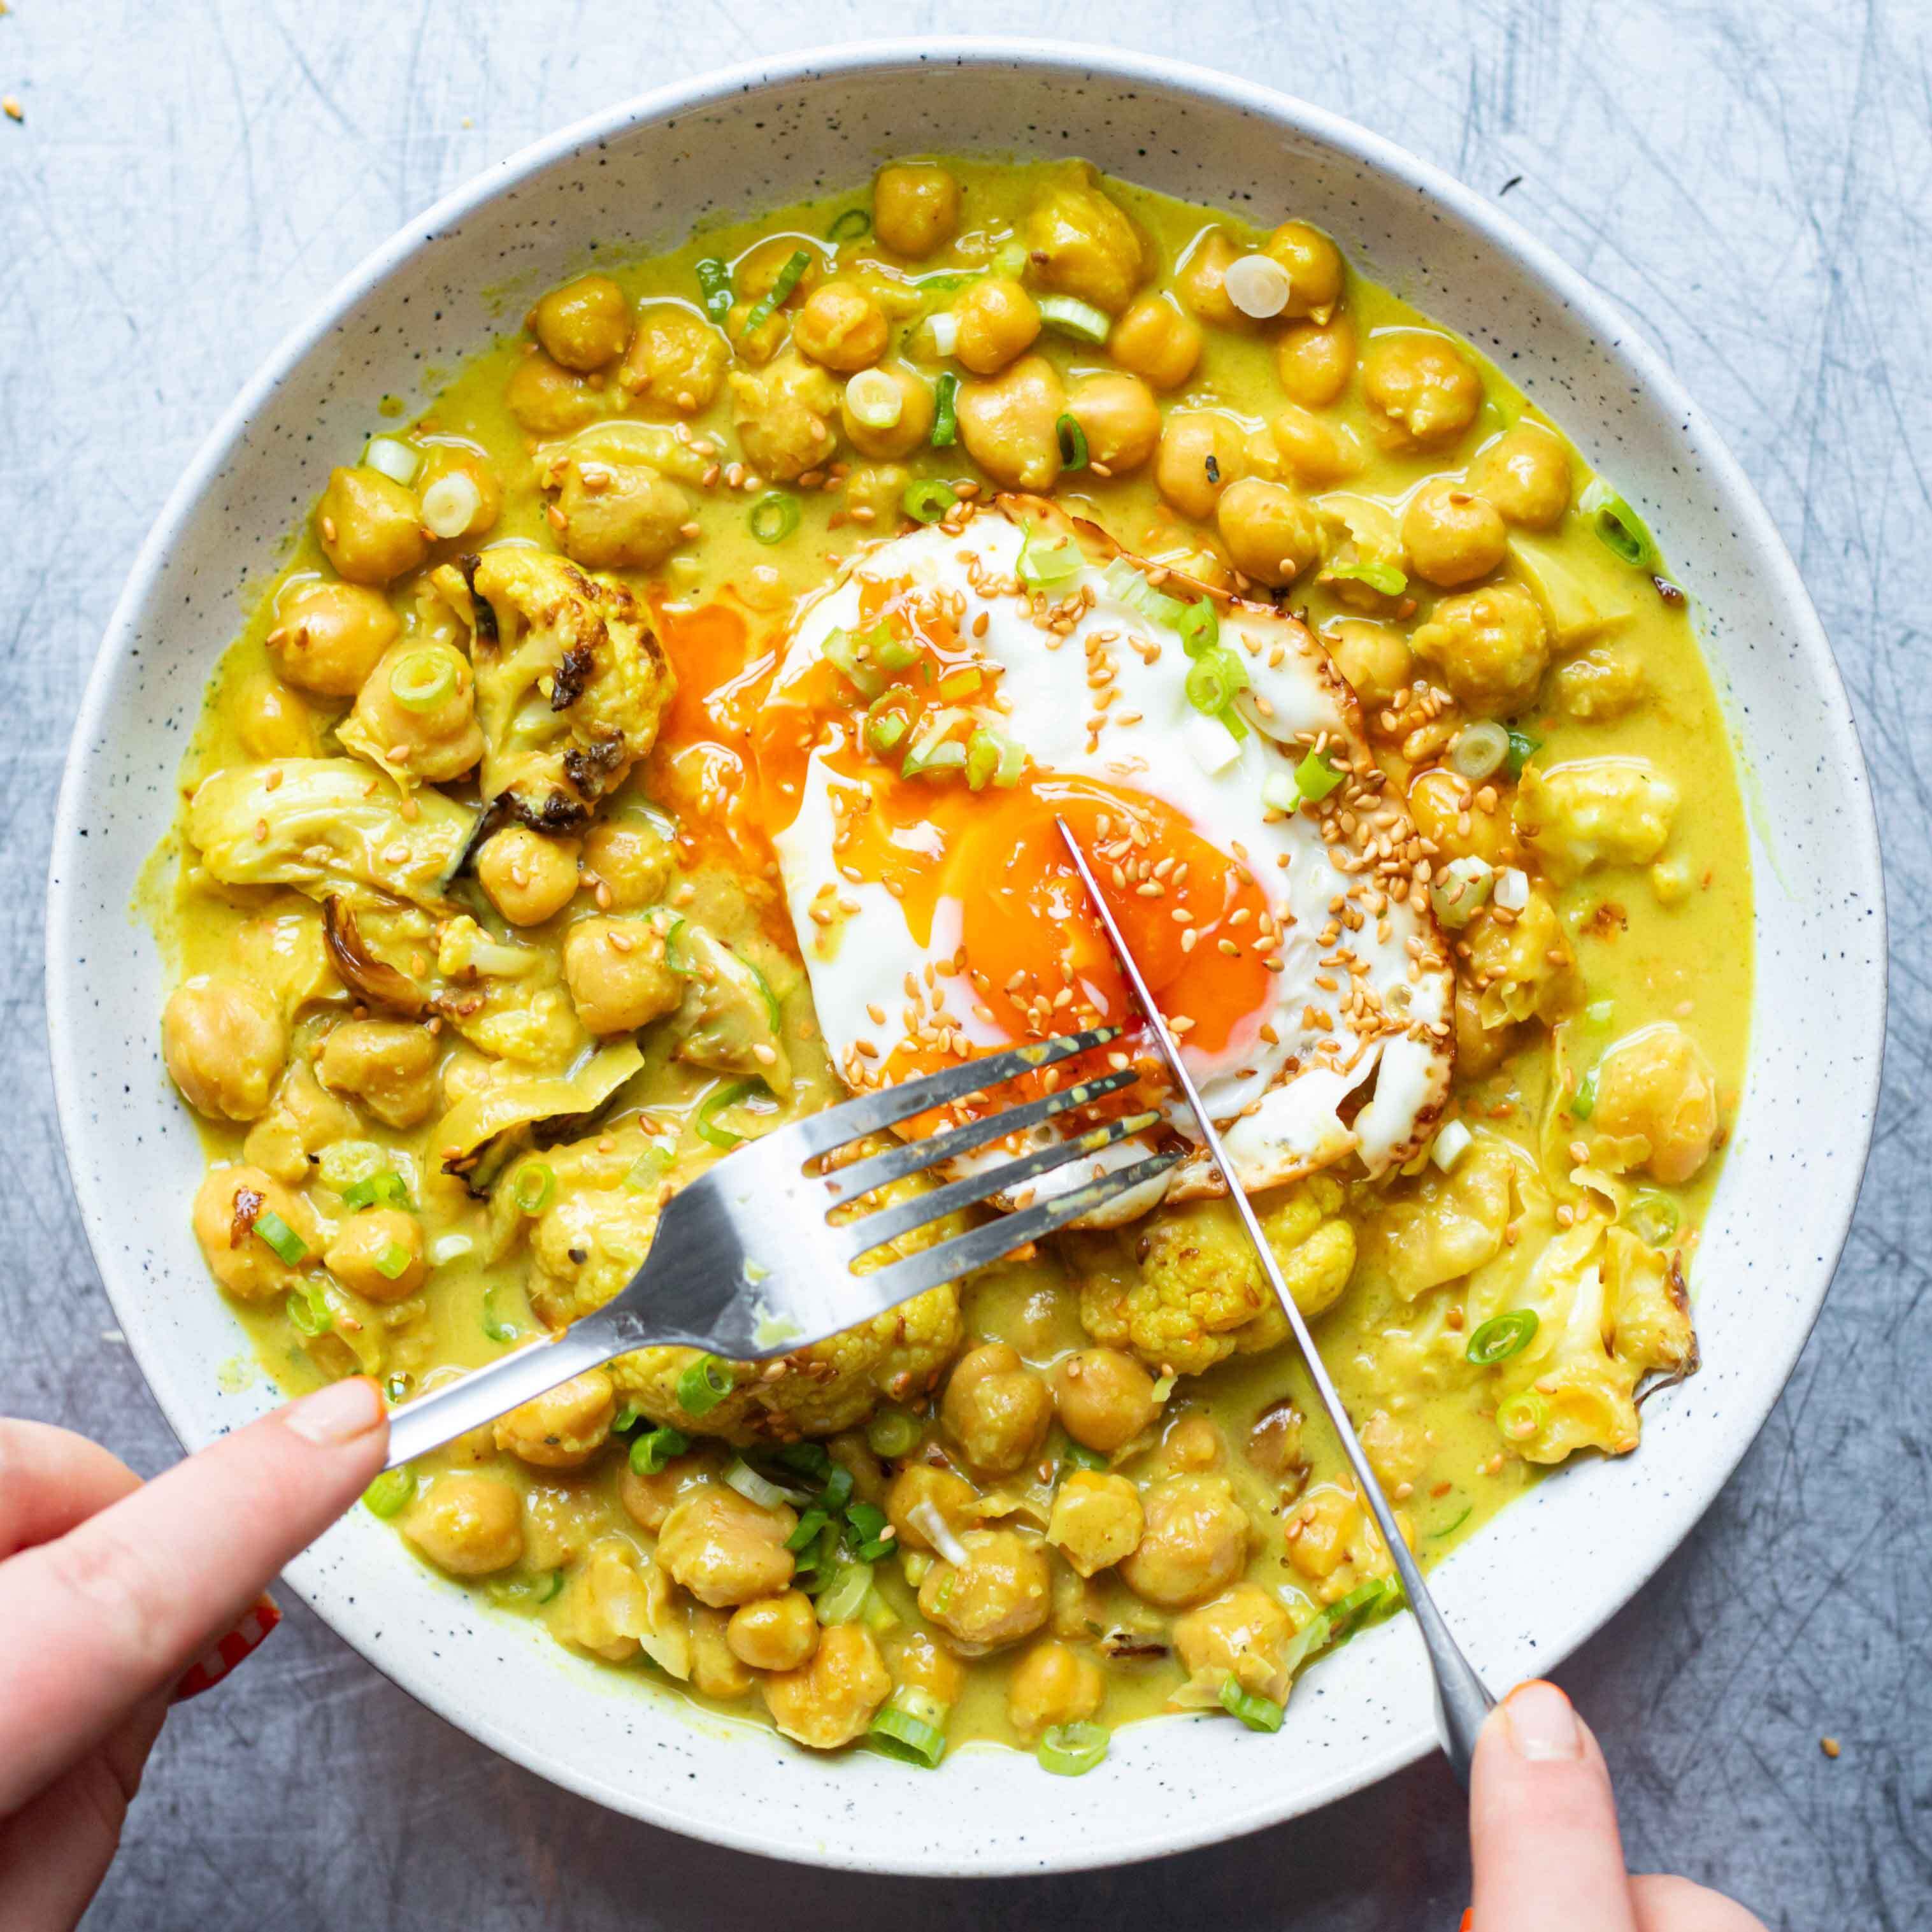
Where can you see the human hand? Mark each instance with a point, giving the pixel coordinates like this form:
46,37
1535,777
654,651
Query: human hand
110,1589
1543,1833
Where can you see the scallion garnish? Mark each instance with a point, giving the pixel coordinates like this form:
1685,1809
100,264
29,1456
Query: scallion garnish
774,516
1316,776
802,1538
911,1727
928,501
1200,628
715,1103
946,415
886,721
845,654
420,681
1618,528
553,1587
1521,749
532,1185
1072,316
992,757
850,226
494,1326
1481,748
1078,1456
386,1189
308,1314
1582,1103
393,1263
1257,1712
1501,1337
1653,1218
703,1384
1523,1416
714,283
844,1597
1044,562
280,1236
1073,442
651,1450
1214,679
1070,1750
892,1433
390,1493
626,1419
761,311
1376,574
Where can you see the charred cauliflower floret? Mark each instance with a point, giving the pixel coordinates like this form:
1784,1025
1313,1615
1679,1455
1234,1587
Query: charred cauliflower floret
1183,1290
1492,645
571,682
1594,811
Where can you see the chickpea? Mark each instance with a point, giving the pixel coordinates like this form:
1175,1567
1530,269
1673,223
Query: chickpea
1525,474
390,1065
225,1205
1658,1086
716,1669
1105,1398
1155,341
1492,646
1052,1684
676,359
1397,1448
758,270
328,636
530,878
1097,1520
1201,452
774,1633
952,1496
631,860
1120,418
434,744
224,1044
1200,280
565,1426
443,460
915,208
1315,274
998,320
619,516
615,1598
873,491
370,1243
783,414
370,526
1239,1635
907,432
725,1549
1423,392
1001,1593
1010,424
1082,245
1272,533
829,1701
1313,361
271,721
1196,1542
1374,658
547,400
1442,801
841,327
469,1524
1193,1442
648,1500
1315,453
996,1408
619,977
1274,1444
919,1662
1452,536
1324,1523
583,325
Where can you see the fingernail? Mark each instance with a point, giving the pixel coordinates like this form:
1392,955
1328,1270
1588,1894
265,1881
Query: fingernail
243,1641
337,1415
1542,1725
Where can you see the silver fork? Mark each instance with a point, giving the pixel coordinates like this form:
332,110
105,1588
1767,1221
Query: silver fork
748,1263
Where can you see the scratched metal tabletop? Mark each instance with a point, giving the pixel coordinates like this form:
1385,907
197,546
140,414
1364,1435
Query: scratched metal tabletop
1752,179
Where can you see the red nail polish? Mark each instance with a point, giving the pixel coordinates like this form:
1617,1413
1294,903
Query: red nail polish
248,1637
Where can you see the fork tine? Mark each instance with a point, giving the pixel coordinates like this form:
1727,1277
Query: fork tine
848,1183
977,1247
874,1230
851,1119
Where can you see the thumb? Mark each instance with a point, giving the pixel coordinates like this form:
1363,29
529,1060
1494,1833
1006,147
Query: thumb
113,1612
1543,1824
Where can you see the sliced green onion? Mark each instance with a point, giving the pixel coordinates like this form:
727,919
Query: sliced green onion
1258,1713
1072,316
1043,561
1011,259
1523,1416
928,501
840,649
989,755
809,1525
1349,1611
874,399
754,1487
1450,1145
626,1419
672,958
715,1103
1316,777
1214,679
649,1168
1070,1750
773,1011
533,1187
1481,750
1600,1012
1073,442
808,1459
762,310
1501,1337
1521,749
886,721
494,1326
1618,528
423,679
386,1189
553,1587
946,416
702,1385
933,749
1125,583
651,1450
308,1314
910,1727
1654,1217
450,504
393,1263
892,1433
867,1522
280,1236
894,653
1583,1103
843,1597
838,1487
1375,573
392,1492
1078,1456
854,223
774,516
1200,627
345,1162
396,460
714,283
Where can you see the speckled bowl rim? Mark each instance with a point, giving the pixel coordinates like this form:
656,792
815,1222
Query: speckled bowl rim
711,1819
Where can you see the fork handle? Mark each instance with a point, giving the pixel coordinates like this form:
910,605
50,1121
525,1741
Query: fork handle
485,1393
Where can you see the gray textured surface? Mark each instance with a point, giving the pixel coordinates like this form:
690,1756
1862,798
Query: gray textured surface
1752,179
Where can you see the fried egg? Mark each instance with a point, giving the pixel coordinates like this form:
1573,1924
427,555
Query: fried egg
957,688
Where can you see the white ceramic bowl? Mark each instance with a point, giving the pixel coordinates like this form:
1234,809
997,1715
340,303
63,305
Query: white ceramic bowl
1557,1564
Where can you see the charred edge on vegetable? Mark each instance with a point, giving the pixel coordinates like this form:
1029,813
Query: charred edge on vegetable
589,770
572,675
557,814
483,617
248,1204
1664,1378
371,979
489,821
